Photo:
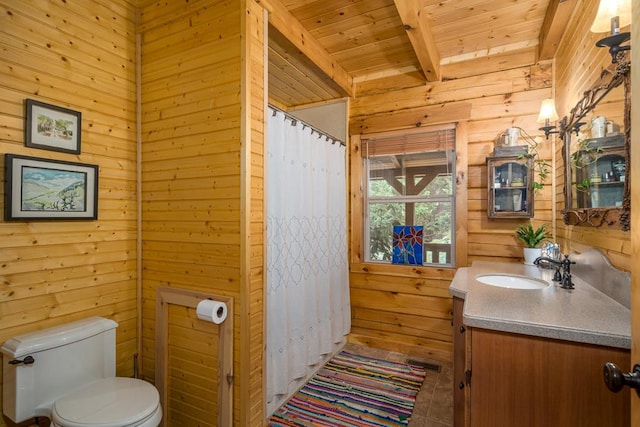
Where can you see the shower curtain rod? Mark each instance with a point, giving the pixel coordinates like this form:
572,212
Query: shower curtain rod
294,120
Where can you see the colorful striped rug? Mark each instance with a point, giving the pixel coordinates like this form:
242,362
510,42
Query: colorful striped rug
354,391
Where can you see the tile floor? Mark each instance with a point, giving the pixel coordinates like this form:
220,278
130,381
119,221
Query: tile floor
434,404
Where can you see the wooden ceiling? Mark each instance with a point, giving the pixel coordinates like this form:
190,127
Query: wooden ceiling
321,50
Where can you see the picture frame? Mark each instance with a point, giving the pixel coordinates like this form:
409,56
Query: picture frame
45,189
50,127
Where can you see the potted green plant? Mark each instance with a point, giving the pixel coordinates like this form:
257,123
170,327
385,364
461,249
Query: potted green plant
532,238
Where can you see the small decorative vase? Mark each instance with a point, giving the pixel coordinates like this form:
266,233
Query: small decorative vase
530,255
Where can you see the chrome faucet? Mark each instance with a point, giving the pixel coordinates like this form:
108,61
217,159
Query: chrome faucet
565,277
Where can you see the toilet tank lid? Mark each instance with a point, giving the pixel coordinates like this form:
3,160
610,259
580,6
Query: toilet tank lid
56,336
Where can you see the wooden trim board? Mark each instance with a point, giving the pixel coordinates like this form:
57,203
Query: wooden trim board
186,298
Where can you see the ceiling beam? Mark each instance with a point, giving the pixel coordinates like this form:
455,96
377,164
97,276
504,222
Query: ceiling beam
554,26
301,38
416,22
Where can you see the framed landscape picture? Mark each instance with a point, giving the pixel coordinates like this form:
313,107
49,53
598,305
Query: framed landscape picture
52,128
44,189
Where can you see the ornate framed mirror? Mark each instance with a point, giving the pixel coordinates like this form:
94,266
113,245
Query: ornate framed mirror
596,152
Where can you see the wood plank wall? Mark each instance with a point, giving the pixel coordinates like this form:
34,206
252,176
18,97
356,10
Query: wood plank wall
250,410
192,377
79,55
578,66
202,190
410,309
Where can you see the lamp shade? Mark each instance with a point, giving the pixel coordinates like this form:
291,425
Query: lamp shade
548,111
609,9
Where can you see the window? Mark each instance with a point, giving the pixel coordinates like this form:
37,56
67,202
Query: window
410,180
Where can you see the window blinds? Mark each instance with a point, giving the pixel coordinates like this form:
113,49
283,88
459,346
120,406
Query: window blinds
442,139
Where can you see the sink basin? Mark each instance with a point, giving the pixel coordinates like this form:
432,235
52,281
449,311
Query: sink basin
511,281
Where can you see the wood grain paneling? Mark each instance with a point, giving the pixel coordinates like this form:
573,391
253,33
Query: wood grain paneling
250,409
386,44
192,376
386,300
79,55
531,381
202,190
194,359
497,101
202,127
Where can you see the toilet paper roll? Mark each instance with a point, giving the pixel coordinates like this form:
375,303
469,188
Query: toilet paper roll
212,311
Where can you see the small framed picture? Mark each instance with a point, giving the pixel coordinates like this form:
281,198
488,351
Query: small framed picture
52,128
44,189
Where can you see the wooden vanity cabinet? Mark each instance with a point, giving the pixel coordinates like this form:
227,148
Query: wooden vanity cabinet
526,381
521,380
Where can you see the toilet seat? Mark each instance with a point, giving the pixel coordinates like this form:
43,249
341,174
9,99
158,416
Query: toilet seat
109,402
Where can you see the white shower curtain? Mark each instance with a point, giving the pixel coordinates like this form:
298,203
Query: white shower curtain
308,310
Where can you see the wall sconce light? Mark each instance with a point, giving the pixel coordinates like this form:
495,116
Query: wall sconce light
613,14
547,115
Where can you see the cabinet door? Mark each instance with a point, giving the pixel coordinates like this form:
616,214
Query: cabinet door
598,173
510,183
461,367
600,179
528,381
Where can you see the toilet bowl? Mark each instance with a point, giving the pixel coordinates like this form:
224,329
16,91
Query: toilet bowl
67,374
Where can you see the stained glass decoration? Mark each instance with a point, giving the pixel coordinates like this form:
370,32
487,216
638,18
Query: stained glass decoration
407,244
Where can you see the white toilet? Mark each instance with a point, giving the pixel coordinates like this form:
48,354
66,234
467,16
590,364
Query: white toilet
67,374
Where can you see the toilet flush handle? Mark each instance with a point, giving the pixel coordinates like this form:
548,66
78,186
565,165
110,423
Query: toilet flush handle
26,361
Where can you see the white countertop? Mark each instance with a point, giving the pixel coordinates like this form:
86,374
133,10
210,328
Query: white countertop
583,314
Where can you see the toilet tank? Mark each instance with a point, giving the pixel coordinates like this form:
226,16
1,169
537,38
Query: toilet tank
66,357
